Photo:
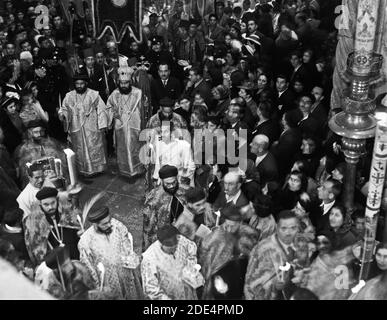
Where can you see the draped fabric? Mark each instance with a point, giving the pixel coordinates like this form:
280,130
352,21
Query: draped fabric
161,272
265,260
220,247
346,45
125,113
157,212
96,247
86,117
323,279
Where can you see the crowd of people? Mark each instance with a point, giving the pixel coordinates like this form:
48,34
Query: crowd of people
225,117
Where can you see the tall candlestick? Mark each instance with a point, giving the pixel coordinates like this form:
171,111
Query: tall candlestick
375,191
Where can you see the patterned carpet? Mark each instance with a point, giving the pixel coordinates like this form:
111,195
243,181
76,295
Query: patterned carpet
124,197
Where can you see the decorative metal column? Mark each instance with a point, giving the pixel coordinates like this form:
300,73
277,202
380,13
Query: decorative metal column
356,122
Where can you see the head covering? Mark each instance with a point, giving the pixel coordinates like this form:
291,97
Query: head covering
34,124
98,215
125,73
231,212
40,63
156,40
167,171
194,195
110,44
80,76
46,192
58,254
89,52
167,232
8,101
167,102
263,206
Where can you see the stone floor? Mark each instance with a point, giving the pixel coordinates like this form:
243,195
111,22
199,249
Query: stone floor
123,196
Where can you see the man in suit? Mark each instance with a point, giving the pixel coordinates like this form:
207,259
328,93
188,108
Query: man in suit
164,86
308,124
318,110
285,96
328,193
197,84
266,125
289,143
96,80
299,71
156,54
231,193
263,159
238,129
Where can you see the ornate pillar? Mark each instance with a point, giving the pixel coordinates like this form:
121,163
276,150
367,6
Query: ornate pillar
356,122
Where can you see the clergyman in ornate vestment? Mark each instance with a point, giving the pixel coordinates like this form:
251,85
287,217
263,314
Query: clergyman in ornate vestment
124,105
85,115
108,242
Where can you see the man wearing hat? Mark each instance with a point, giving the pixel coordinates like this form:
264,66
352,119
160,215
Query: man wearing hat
38,146
86,117
11,231
163,263
163,204
196,212
264,279
186,46
166,114
44,227
52,84
63,278
108,242
226,242
125,106
157,54
94,72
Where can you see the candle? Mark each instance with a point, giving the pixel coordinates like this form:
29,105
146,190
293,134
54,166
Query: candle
70,156
58,168
365,34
